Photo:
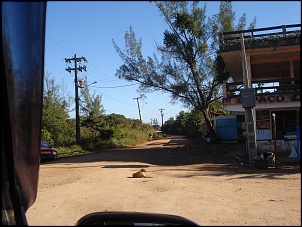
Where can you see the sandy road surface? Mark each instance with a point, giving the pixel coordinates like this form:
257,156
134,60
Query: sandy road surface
202,182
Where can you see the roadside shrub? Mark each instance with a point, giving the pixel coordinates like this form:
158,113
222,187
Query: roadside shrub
46,136
107,134
67,151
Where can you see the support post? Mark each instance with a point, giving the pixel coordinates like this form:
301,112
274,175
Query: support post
275,136
162,119
139,110
251,139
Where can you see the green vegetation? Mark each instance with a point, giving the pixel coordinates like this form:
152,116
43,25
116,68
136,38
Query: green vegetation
98,131
111,138
187,65
189,68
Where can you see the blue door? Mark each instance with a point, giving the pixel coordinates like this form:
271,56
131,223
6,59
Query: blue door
226,129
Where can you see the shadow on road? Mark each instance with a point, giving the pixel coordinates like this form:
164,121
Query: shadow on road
178,151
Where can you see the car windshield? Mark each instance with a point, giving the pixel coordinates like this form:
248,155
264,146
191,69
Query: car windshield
45,145
133,110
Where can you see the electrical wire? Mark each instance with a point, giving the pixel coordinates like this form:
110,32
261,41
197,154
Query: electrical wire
117,86
122,86
97,76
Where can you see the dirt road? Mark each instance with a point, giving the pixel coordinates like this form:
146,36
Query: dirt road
202,182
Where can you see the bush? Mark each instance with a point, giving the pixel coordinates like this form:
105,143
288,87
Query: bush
46,136
107,134
67,151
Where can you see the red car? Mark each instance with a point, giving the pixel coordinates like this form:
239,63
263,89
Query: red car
47,151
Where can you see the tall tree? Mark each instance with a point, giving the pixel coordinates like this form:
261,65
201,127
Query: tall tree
91,105
187,67
91,108
55,113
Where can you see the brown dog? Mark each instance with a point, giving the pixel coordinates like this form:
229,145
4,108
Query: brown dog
140,174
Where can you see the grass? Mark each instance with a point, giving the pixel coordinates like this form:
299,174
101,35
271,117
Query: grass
126,139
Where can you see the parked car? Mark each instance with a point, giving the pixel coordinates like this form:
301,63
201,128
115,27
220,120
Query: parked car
47,151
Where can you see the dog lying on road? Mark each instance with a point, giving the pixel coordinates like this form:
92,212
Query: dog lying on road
140,174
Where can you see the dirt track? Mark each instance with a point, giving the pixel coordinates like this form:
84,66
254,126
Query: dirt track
202,182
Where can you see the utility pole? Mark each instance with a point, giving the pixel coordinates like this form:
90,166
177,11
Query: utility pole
139,111
162,118
248,102
75,69
275,136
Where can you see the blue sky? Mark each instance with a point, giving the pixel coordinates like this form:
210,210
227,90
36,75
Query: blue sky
86,28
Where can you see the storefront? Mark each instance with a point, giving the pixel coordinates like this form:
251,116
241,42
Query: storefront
286,130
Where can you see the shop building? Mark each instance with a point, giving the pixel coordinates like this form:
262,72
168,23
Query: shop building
273,65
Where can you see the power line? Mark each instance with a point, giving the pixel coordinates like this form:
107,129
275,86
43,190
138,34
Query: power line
55,49
142,108
91,70
59,45
117,86
112,98
97,75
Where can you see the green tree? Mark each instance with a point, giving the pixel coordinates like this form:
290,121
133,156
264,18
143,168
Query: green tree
180,122
170,127
187,67
91,105
92,114
55,114
192,124
185,123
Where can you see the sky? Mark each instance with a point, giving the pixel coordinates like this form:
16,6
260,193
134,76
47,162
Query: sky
87,28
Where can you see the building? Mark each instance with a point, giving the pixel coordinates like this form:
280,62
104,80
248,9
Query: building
273,65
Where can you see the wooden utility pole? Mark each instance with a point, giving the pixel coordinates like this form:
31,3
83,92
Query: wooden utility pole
249,96
139,110
75,69
162,118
